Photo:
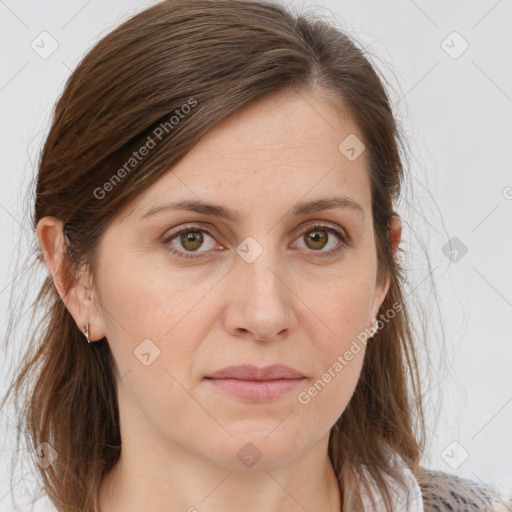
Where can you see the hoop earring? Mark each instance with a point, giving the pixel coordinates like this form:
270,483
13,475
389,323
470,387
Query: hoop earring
86,332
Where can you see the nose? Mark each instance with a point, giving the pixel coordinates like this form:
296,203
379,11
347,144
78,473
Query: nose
260,304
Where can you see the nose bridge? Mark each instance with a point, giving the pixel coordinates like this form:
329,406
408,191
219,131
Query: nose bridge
259,265
262,300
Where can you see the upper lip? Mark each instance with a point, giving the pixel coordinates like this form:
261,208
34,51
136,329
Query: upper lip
251,372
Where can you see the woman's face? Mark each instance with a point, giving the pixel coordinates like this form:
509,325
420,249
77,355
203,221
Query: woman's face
261,288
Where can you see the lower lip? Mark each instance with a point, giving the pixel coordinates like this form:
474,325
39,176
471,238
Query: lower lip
256,390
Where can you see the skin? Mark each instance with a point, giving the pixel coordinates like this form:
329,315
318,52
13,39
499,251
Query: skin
180,435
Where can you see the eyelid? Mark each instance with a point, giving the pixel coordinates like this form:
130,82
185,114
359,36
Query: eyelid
190,226
303,226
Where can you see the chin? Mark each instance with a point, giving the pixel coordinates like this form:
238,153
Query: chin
257,449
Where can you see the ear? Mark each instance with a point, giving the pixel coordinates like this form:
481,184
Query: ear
77,297
381,289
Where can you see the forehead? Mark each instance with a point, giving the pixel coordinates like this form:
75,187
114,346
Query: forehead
282,148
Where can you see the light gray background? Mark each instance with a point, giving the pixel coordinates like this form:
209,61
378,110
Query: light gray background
455,111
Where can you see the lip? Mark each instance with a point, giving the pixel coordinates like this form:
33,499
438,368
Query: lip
251,372
256,384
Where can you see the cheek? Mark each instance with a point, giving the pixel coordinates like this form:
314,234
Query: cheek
153,331
327,397
339,346
340,358
155,321
142,299
344,309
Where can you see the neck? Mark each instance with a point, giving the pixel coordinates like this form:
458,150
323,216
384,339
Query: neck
173,479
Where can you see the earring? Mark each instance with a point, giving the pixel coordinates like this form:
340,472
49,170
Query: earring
86,332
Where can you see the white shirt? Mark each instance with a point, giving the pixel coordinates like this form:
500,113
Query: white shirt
407,499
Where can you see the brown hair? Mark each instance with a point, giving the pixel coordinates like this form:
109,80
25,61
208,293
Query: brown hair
217,57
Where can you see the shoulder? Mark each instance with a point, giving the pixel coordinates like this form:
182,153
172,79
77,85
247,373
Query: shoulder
447,492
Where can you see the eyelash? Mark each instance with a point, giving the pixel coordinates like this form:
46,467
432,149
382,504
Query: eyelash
345,240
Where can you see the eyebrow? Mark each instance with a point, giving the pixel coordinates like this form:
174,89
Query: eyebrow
232,216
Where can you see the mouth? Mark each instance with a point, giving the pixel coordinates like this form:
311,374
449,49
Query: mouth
255,384
251,372
256,390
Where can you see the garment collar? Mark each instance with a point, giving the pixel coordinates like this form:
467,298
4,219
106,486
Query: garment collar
408,499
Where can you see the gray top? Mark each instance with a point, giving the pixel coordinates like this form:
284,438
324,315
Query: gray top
443,491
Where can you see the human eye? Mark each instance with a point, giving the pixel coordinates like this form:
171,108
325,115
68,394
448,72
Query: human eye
190,237
319,237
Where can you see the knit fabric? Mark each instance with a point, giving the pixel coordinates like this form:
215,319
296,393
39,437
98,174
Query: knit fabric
436,491
446,492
